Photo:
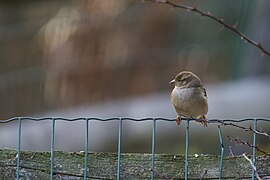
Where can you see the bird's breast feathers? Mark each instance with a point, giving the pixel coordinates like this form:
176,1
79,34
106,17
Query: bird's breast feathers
190,101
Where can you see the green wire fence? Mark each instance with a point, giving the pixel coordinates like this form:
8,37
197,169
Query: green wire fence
120,127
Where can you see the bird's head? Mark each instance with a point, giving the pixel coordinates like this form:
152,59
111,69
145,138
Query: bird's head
186,79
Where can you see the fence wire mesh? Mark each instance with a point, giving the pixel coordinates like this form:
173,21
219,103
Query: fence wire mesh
219,122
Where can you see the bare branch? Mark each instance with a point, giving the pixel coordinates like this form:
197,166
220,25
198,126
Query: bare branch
247,129
239,141
216,19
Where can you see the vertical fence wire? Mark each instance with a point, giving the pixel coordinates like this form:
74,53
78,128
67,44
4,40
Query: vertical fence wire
221,152
86,149
254,149
119,147
52,149
187,144
153,149
19,149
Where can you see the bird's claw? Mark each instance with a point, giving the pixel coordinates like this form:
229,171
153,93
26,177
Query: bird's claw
203,121
178,120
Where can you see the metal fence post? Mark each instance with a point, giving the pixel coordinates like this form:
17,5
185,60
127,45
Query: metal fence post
187,144
52,149
86,149
19,149
119,148
221,153
153,149
254,149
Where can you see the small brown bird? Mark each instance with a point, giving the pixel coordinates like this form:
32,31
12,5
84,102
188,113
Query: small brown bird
189,97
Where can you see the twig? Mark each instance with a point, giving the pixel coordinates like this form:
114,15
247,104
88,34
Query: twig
247,129
218,20
239,141
252,165
205,122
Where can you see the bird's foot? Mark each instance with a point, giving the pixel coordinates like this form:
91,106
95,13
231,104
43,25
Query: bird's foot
203,120
178,120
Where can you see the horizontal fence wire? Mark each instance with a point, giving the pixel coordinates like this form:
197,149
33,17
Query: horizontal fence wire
129,119
120,129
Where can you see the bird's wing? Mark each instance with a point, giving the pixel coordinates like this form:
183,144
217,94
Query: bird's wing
204,92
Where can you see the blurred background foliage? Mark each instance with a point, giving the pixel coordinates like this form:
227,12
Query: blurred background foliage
56,55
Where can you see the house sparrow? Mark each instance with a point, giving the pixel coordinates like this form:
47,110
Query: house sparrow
189,97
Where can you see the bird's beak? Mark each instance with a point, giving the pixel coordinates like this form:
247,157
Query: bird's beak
172,81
